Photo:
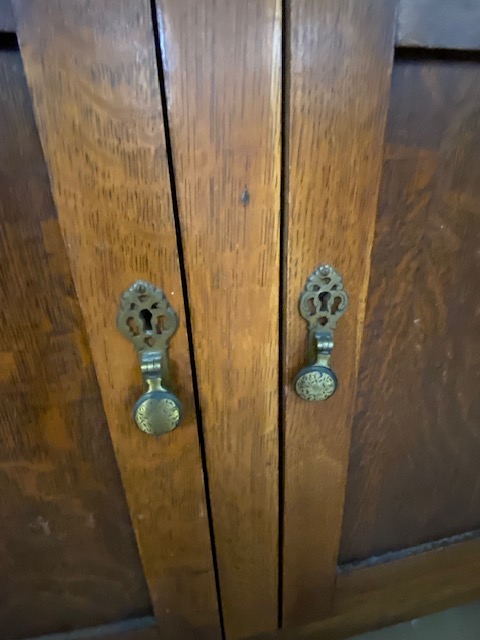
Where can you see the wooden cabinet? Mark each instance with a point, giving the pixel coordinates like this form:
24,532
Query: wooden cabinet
222,150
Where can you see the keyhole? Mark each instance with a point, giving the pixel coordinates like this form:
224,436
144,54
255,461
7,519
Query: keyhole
146,316
324,298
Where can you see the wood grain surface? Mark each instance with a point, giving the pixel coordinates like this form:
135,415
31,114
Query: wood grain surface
395,592
413,473
67,550
93,75
222,74
439,24
7,19
414,586
339,77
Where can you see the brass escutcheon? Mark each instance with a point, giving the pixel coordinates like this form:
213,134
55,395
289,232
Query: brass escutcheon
146,318
322,302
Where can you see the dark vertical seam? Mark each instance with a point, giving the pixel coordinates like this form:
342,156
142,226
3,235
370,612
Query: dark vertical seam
183,275
284,190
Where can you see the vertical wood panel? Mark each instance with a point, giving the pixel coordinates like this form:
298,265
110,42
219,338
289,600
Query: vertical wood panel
92,71
413,472
340,64
67,549
222,71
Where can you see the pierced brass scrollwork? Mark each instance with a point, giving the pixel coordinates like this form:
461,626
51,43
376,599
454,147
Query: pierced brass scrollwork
322,302
146,318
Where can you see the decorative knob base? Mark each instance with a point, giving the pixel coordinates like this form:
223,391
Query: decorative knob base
315,383
157,412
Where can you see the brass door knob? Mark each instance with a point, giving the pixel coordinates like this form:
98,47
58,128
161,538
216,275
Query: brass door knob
146,318
322,302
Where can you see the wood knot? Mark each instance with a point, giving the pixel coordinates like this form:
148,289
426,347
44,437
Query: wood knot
245,197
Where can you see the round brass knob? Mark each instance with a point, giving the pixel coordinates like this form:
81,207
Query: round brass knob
315,383
157,412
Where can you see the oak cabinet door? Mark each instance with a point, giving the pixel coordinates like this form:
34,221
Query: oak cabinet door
94,80
68,557
382,511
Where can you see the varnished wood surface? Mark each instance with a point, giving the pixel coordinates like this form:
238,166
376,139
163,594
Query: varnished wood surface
7,20
67,550
413,586
92,71
395,592
222,71
413,473
339,80
439,24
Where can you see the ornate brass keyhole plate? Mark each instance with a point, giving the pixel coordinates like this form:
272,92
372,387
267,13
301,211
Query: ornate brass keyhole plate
146,318
322,302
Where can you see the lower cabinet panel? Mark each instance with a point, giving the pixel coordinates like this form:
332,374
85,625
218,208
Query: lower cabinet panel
413,473
67,552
